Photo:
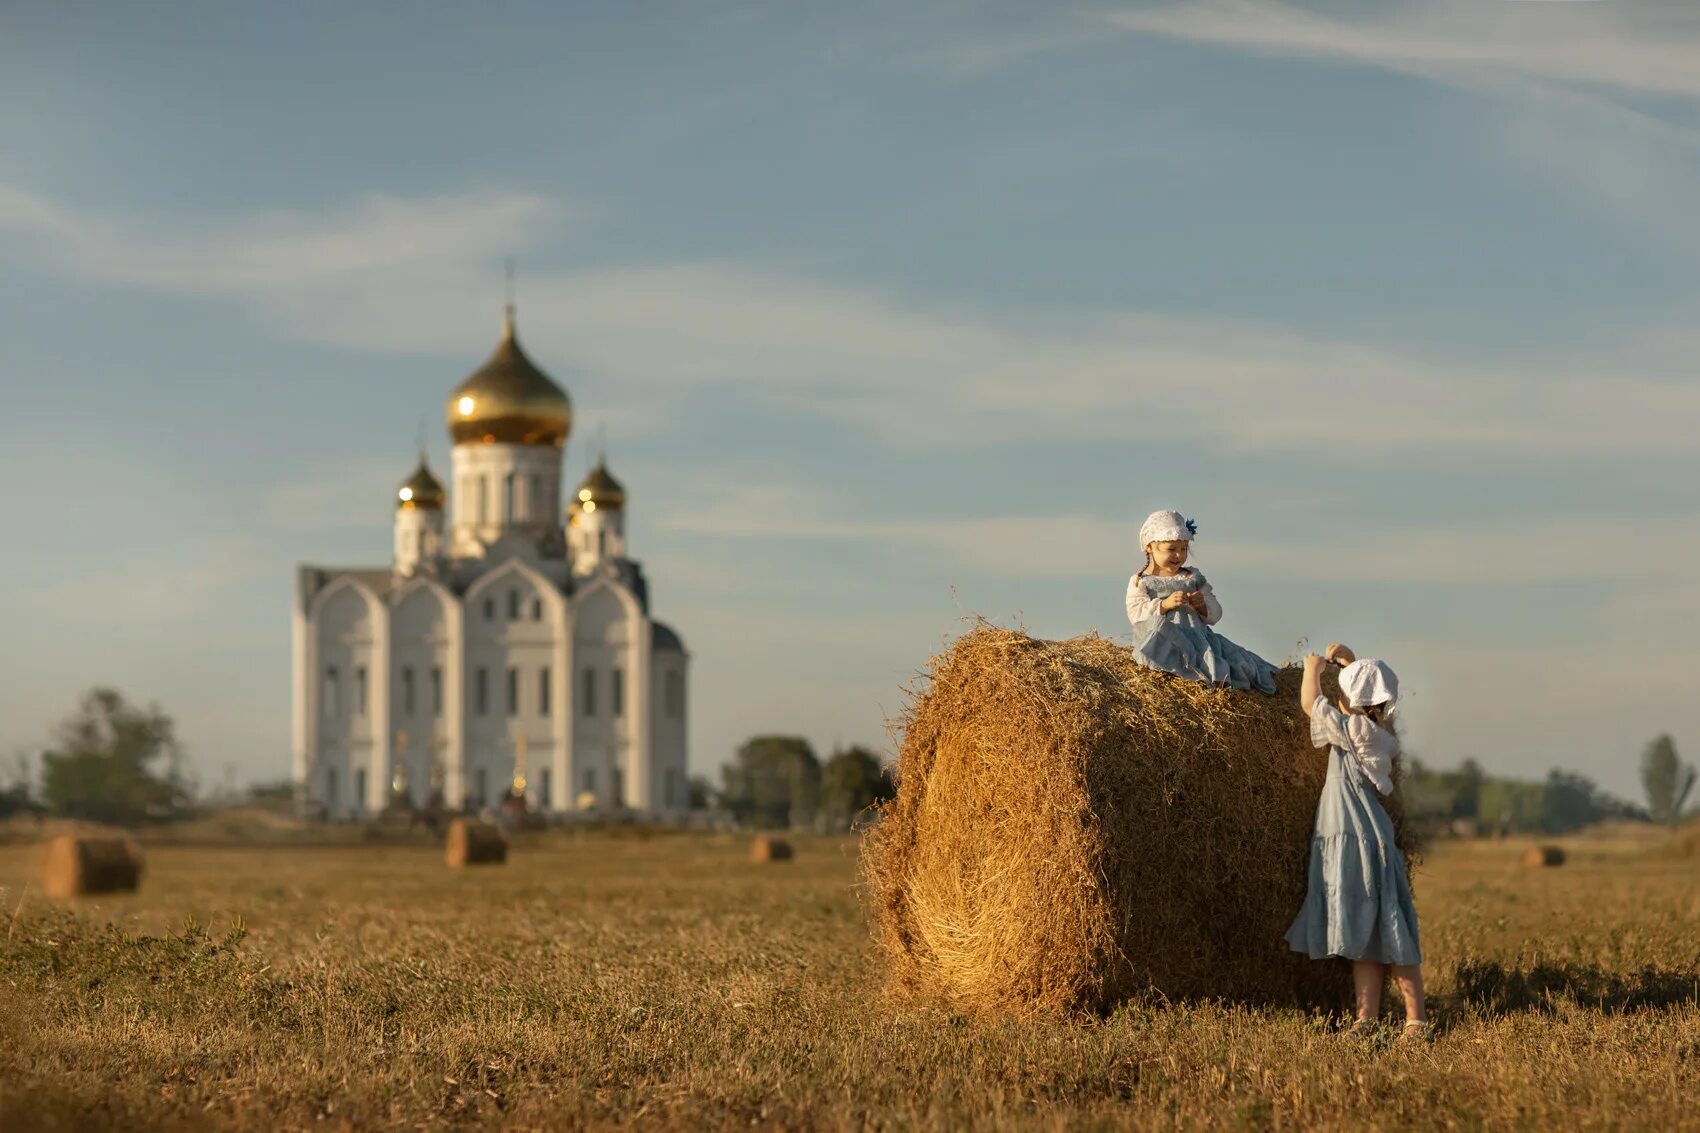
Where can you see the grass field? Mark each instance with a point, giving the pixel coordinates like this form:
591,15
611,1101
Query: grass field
668,982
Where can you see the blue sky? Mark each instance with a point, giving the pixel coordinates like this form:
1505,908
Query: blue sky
893,313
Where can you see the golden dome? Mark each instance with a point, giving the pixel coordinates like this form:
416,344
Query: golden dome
420,490
508,400
599,490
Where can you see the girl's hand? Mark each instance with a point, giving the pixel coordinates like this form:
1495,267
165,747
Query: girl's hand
1174,601
1313,662
1339,654
1196,601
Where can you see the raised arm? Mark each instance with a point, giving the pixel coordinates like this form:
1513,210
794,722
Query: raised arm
1311,686
1340,654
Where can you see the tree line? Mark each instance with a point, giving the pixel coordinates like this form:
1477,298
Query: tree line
1563,802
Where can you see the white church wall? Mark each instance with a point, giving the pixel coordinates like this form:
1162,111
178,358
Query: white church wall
513,620
501,486
667,732
420,648
345,620
603,632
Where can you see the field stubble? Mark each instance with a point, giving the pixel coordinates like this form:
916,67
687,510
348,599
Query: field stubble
670,982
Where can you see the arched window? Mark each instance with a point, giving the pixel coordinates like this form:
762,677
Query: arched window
534,499
543,789
513,605
587,697
508,514
407,690
436,690
481,691
618,693
537,609
513,692
360,690
489,609
543,691
483,499
332,692
360,790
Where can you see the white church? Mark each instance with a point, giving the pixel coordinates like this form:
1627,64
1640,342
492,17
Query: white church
503,652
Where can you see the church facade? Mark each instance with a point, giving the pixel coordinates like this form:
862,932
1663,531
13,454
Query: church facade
508,648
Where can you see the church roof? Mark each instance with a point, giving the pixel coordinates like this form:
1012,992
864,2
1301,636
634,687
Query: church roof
509,400
600,490
663,639
422,489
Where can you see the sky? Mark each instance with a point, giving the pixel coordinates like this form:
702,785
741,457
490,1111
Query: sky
893,314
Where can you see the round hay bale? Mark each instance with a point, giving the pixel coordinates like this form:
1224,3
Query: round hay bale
767,848
471,842
80,867
1537,857
1072,829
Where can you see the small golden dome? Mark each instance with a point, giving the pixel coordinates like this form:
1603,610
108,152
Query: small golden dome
420,490
599,490
508,400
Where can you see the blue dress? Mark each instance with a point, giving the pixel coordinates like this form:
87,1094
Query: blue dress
1180,642
1359,901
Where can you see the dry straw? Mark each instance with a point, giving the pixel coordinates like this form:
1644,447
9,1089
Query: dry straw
80,867
1072,829
1536,857
474,843
767,848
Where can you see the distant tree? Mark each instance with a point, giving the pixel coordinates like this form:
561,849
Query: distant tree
277,794
1467,789
774,781
115,762
1667,780
851,781
702,792
17,796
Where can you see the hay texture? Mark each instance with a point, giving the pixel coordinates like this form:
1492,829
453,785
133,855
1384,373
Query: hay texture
474,843
81,867
767,848
1072,829
1538,857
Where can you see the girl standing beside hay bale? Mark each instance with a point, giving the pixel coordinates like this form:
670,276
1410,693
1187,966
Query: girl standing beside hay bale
1173,608
1358,904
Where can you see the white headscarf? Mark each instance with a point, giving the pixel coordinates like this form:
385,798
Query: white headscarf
1164,526
1367,682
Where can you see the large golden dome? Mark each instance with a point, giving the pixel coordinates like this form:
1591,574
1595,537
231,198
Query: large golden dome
508,400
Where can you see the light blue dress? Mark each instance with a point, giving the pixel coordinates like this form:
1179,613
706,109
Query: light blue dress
1182,643
1359,901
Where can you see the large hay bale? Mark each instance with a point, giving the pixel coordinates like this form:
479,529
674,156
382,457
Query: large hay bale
1536,857
80,867
767,848
1072,829
471,842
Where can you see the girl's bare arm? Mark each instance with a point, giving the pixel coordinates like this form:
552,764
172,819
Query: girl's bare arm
1311,687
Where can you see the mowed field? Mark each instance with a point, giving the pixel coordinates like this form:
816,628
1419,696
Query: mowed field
667,982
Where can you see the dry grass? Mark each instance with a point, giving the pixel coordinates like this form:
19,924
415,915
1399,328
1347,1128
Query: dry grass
670,983
1072,829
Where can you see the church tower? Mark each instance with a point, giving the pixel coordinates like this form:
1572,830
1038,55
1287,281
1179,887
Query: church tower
419,523
596,520
509,423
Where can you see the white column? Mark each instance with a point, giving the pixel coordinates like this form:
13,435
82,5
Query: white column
562,790
640,788
454,707
378,710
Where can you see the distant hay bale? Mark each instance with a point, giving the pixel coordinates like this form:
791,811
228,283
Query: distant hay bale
1535,857
767,848
474,843
81,867
1072,829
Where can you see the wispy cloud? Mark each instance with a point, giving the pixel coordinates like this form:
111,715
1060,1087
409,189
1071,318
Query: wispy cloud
1629,47
1067,546
903,371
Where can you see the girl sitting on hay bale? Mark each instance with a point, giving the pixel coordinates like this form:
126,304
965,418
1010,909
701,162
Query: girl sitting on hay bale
1359,901
1172,608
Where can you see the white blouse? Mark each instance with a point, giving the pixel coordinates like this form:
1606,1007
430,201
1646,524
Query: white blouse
1142,608
1359,739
